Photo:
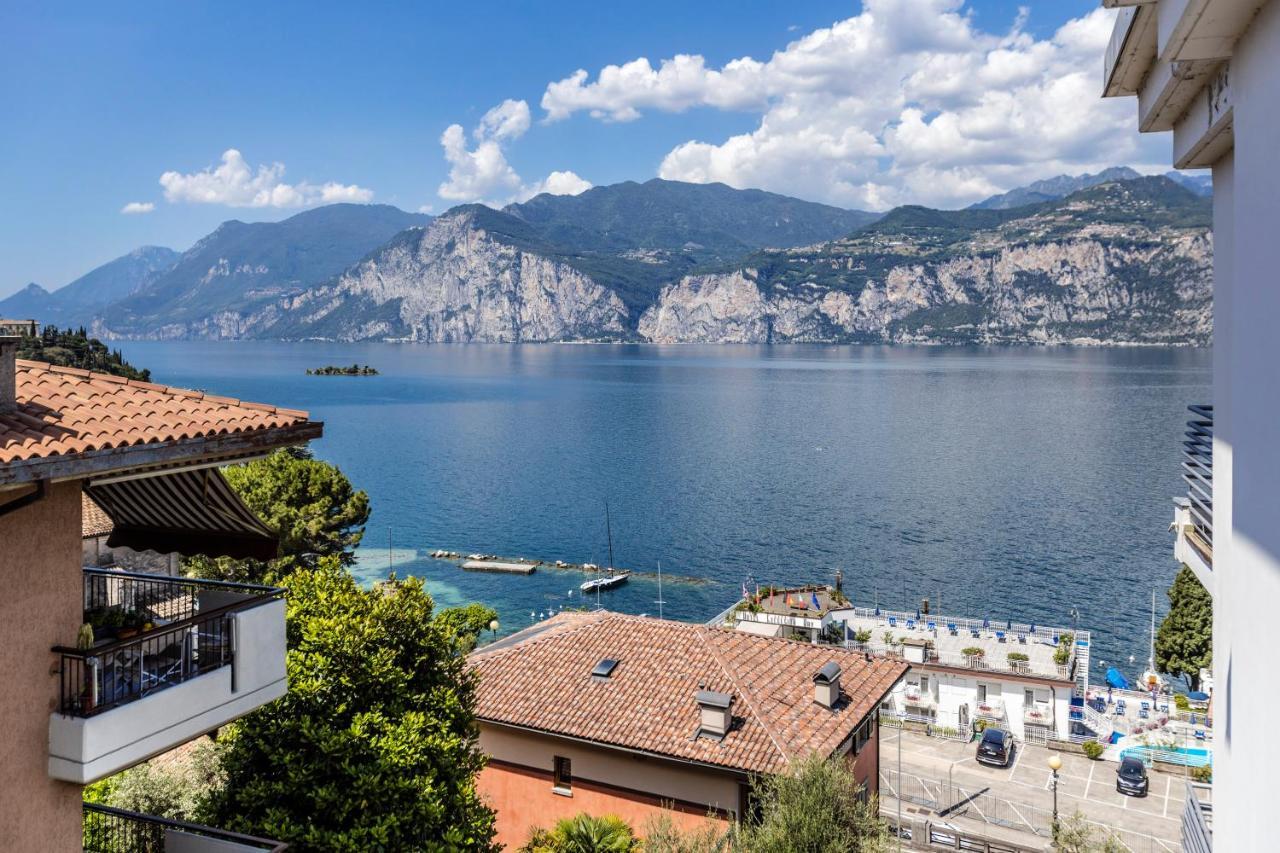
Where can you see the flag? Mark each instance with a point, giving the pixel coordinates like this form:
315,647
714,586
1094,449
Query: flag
745,591
789,599
816,605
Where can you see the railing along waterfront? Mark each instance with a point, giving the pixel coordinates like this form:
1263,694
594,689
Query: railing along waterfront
1197,819
1197,472
167,630
112,830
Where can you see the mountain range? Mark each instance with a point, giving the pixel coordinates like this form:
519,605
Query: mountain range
1112,257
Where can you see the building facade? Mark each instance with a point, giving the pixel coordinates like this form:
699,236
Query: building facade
1208,71
611,714
103,667
1019,677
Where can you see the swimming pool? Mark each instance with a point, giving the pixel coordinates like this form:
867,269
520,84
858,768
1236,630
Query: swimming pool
1181,755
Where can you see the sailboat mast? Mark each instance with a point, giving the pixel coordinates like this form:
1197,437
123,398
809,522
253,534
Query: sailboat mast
608,527
1151,661
660,601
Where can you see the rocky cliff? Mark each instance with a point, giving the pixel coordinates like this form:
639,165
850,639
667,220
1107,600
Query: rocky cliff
1123,263
455,281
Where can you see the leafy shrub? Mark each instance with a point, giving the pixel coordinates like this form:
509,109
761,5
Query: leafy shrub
1092,749
1181,702
584,834
864,636
972,652
1202,774
1015,657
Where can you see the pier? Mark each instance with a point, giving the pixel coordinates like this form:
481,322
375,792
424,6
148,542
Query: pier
495,566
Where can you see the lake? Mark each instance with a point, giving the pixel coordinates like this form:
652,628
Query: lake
1007,482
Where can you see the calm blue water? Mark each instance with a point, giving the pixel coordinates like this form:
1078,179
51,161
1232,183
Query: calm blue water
1013,482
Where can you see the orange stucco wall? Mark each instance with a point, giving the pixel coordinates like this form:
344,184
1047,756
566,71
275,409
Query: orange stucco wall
866,765
41,605
524,800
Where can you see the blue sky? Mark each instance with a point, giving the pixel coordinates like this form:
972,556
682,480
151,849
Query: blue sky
101,100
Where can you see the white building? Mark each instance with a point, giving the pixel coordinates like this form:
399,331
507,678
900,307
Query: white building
1018,677
1209,71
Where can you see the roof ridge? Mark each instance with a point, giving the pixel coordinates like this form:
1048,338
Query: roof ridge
706,635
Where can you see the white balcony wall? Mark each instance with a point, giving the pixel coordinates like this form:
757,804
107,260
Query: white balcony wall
84,749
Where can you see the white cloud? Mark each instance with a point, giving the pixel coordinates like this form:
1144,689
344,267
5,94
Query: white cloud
560,183
426,208
235,184
482,174
508,120
908,101
135,207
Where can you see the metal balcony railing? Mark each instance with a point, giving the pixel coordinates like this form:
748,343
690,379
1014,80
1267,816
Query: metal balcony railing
112,830
150,632
1197,471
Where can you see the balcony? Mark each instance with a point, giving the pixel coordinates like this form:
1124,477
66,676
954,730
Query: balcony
1197,819
990,709
1193,515
161,660
1037,715
1131,51
111,830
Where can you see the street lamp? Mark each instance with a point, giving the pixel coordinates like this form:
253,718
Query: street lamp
493,626
1055,764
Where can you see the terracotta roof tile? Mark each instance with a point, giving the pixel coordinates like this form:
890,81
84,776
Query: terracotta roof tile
541,679
93,521
65,411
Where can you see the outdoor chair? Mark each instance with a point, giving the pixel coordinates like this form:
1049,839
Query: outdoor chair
951,628
1022,638
976,635
933,626
1200,734
911,624
1143,714
999,636
893,621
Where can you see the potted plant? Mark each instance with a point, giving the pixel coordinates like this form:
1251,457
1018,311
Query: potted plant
1018,661
972,655
131,623
863,636
84,637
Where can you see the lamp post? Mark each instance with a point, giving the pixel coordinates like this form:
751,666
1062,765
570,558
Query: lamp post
1055,764
493,626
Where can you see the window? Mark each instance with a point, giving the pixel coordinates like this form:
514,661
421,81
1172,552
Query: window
562,777
982,694
924,684
1028,697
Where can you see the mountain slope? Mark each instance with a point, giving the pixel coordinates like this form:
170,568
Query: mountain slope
1053,188
1122,262
473,274
709,221
115,280
241,266
32,302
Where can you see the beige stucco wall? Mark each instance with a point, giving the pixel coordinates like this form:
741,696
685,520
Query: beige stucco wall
41,595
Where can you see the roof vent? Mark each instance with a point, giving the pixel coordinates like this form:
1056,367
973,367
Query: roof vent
715,713
826,685
604,669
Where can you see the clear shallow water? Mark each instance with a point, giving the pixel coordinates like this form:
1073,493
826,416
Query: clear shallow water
1013,482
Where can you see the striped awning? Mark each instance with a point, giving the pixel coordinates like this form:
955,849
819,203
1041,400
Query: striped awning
186,512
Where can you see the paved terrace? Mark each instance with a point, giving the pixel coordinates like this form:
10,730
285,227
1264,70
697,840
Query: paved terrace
951,635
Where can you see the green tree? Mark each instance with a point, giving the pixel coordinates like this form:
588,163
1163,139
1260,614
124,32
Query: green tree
1076,835
661,835
818,807
1184,642
172,788
74,348
584,834
310,503
374,747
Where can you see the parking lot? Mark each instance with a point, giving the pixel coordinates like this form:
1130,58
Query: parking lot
945,773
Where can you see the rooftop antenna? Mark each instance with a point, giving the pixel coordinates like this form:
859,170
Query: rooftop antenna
660,602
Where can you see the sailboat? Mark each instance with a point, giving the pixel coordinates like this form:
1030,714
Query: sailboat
611,579
1151,679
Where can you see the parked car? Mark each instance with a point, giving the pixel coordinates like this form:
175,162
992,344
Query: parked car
1131,777
995,748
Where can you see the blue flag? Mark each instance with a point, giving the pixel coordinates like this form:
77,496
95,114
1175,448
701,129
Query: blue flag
816,605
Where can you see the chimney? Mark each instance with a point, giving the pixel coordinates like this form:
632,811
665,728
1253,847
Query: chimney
826,685
8,373
715,713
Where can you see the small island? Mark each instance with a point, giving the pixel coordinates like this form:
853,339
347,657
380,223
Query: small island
351,370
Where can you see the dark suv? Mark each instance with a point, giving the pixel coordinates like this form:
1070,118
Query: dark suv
1131,777
995,748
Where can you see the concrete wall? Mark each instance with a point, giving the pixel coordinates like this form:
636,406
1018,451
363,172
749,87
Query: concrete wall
1246,464
518,785
84,749
40,607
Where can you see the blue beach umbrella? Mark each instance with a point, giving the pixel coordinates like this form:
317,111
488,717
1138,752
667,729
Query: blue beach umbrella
986,623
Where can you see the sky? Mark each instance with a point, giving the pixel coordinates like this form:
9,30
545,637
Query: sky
151,123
